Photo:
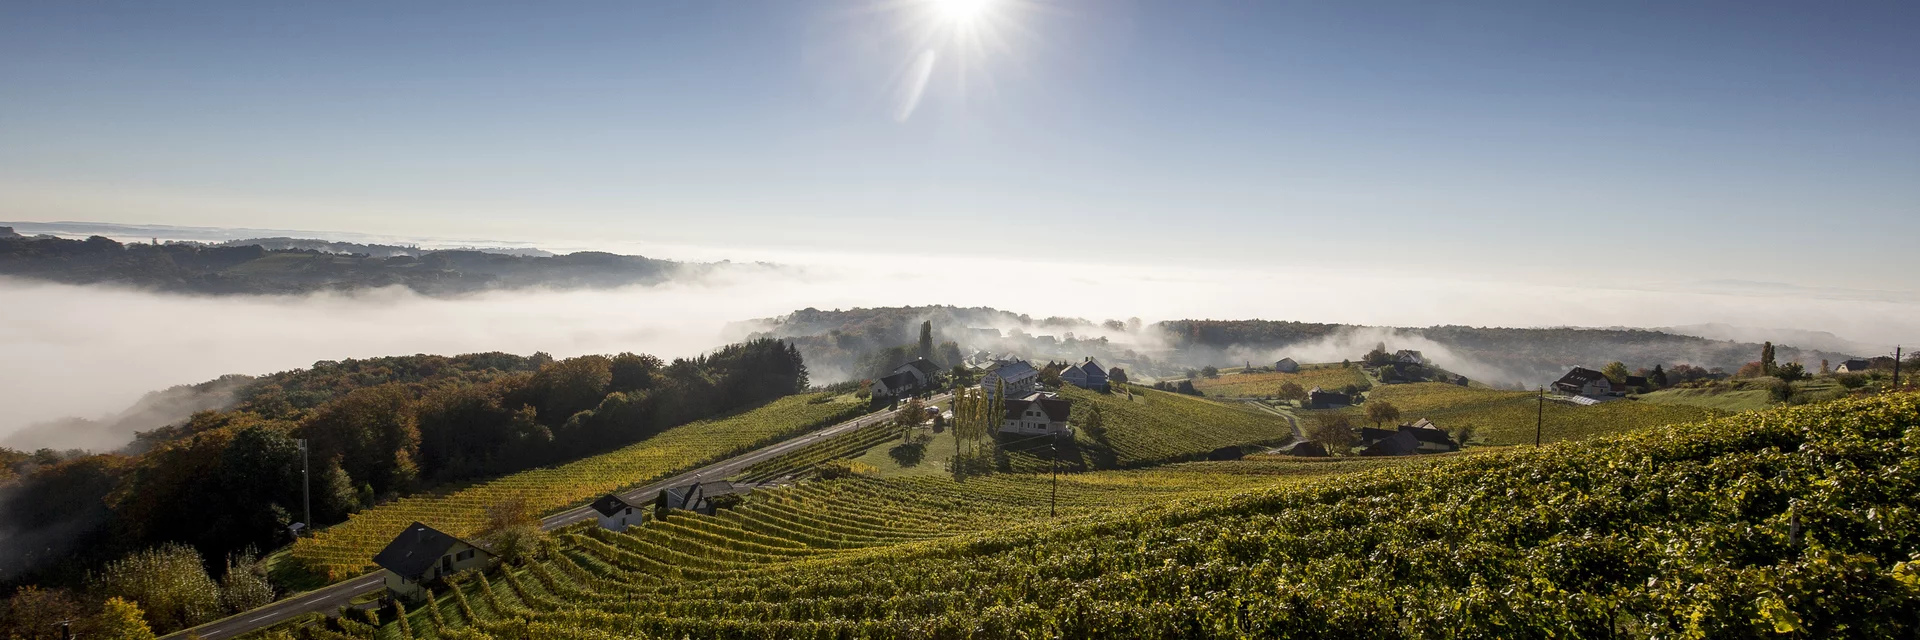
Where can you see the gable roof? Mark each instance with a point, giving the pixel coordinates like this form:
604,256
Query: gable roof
1580,376
1015,370
1285,360
719,488
1429,435
1402,443
610,505
1057,410
415,550
1852,364
924,365
900,380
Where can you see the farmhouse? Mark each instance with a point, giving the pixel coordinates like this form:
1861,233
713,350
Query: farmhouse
1017,375
894,386
1086,375
1319,399
1409,356
1582,381
1409,439
616,514
422,554
1036,414
925,373
1853,366
698,497
1286,365
1401,443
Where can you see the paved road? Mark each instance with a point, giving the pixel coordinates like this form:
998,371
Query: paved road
334,596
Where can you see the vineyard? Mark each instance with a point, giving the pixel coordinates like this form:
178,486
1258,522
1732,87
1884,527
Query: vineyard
345,550
1508,417
1145,427
799,462
1792,521
1263,384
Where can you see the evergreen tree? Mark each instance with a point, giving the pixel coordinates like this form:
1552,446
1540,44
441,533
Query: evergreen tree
1766,359
926,339
1658,377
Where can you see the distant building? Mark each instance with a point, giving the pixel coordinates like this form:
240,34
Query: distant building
1320,399
1630,385
1286,365
1036,414
1409,356
1086,375
422,554
1308,449
1432,438
1853,366
616,514
1019,377
1401,443
1409,439
1582,381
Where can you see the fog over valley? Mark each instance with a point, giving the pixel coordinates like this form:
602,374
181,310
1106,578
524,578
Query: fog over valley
93,351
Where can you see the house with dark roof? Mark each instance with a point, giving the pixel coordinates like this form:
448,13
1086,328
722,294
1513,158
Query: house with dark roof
1036,414
698,497
1401,443
1853,365
1409,356
1286,365
1322,399
895,386
421,555
1582,381
1086,375
1018,376
925,373
616,514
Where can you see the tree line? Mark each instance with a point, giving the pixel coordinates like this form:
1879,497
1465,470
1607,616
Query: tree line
224,482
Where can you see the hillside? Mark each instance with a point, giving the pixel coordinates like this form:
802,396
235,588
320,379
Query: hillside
1266,383
1789,521
232,268
346,550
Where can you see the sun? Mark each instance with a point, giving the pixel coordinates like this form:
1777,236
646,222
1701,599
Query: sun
961,12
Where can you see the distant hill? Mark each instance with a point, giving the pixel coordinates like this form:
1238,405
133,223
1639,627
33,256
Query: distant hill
839,343
291,266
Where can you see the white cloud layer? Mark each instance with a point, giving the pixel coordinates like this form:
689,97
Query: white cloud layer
91,351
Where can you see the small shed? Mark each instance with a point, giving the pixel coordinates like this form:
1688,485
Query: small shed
1286,365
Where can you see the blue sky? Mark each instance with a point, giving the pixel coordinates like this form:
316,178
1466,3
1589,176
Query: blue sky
1651,140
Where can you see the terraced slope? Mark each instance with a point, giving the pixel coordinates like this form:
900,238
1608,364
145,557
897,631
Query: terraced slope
1798,522
346,549
1507,417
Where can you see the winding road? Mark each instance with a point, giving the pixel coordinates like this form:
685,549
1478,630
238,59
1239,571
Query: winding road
334,596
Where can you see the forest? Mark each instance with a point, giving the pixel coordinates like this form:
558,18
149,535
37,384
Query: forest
224,483
292,268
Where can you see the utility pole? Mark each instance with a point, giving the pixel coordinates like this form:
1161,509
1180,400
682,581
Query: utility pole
1540,416
1896,367
306,486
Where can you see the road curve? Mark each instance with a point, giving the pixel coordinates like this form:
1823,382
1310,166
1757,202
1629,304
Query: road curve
334,596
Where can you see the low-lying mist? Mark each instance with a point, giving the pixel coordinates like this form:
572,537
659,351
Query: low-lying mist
92,352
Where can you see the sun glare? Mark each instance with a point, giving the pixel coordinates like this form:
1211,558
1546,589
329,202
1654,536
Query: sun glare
961,11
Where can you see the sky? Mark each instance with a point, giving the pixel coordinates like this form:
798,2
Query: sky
1611,141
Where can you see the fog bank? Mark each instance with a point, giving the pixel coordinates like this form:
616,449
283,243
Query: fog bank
91,352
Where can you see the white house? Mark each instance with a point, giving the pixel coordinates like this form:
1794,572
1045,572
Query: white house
422,554
1286,365
1582,381
616,514
1853,366
924,371
896,385
1036,414
1018,376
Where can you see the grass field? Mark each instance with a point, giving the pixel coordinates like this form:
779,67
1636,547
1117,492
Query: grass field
1508,417
346,550
1266,383
1150,427
1729,401
1675,531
